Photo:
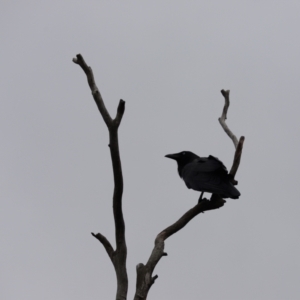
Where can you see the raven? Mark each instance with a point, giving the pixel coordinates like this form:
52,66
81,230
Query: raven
205,174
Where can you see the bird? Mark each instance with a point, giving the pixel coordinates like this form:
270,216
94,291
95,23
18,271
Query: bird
205,174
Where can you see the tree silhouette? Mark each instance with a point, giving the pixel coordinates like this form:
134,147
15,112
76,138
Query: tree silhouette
145,278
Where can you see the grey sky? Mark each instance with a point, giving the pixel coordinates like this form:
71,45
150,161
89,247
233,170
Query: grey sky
168,60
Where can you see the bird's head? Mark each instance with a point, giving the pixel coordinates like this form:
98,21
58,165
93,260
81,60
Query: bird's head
183,158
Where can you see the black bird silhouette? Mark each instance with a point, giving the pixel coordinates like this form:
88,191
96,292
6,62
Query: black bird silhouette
205,174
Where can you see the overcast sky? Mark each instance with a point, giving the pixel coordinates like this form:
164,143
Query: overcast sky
168,60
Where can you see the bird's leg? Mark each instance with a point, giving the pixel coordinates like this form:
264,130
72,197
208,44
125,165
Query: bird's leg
200,198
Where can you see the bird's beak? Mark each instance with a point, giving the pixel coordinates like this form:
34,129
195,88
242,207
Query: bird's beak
173,156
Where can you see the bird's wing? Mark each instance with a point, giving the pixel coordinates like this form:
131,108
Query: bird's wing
205,174
210,164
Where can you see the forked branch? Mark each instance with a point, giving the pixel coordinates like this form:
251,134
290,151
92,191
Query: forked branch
118,256
237,144
144,272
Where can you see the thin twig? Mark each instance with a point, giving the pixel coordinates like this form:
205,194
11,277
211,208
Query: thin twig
237,144
224,117
106,244
79,60
237,157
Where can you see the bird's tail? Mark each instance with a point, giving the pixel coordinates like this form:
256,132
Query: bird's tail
233,192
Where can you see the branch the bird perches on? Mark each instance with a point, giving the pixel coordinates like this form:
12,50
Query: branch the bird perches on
144,272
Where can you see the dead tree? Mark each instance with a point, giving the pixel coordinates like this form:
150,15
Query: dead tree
145,278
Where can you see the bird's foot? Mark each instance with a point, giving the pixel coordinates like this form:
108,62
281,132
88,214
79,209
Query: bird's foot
202,200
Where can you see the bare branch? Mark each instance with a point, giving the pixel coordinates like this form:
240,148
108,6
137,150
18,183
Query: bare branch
79,60
118,257
144,272
237,157
120,112
237,144
106,244
224,117
214,203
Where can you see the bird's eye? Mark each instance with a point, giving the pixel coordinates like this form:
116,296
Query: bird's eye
183,153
